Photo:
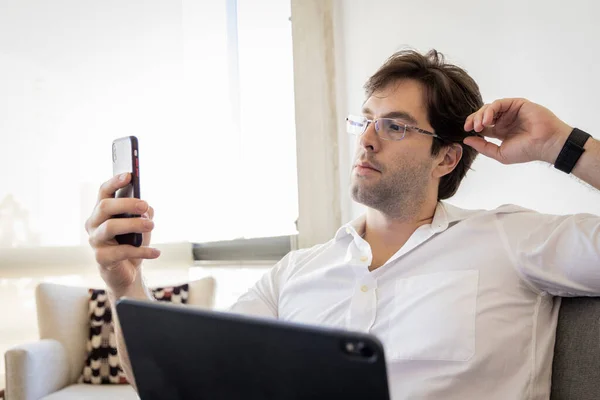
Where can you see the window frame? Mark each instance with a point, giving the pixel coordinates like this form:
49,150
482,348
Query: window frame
319,203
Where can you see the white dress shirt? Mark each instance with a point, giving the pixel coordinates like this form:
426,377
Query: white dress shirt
465,309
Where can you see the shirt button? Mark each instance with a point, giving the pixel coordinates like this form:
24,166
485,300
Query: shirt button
348,230
364,258
364,288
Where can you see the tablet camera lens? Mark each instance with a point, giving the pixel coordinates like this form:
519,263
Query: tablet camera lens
365,351
350,347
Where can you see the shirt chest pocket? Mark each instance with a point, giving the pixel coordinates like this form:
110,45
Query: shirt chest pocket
433,317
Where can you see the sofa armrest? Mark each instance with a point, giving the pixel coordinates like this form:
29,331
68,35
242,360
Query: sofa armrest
35,370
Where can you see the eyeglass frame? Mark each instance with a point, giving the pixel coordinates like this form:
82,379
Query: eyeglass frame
406,128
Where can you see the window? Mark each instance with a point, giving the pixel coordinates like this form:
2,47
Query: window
206,86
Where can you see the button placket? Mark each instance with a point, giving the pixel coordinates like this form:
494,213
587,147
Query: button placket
363,307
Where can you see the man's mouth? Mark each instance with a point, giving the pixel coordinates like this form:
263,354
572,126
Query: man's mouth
365,167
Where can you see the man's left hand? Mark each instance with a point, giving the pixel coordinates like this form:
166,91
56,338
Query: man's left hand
528,131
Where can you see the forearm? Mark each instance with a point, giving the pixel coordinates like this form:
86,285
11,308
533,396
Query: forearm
588,167
139,292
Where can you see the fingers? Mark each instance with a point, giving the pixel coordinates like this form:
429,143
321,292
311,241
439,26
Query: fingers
488,115
477,125
150,213
470,121
108,188
482,118
111,255
486,148
110,228
109,207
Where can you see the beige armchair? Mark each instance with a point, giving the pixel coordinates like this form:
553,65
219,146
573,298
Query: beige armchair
49,368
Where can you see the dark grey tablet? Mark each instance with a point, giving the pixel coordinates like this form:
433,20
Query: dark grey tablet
186,353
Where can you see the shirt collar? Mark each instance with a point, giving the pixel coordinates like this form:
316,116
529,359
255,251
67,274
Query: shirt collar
445,215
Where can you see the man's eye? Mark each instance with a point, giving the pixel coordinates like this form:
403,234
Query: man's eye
396,127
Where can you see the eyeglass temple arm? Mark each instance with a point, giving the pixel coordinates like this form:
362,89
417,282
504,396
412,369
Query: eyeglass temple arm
469,134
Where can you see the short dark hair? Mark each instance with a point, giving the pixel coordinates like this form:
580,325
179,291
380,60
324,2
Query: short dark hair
451,95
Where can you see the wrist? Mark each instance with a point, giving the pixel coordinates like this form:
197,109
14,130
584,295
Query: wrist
556,143
137,290
133,292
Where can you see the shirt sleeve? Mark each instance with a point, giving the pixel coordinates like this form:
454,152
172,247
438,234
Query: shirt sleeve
559,255
262,300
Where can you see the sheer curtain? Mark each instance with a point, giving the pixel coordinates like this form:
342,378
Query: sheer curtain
206,86
74,75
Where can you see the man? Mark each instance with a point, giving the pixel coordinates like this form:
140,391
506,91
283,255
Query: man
462,300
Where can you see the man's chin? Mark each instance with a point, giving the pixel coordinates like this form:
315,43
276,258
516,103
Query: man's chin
361,194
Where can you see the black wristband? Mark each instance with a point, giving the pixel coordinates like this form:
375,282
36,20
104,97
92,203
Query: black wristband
571,151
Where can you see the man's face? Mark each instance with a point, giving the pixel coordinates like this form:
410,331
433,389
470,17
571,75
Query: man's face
401,173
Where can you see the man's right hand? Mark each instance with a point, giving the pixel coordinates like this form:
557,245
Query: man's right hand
120,264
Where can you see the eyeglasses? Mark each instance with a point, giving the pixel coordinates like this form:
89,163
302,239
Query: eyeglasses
386,128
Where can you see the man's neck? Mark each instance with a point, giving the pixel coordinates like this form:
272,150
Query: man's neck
387,234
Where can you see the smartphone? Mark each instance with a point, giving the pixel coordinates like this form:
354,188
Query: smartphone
125,158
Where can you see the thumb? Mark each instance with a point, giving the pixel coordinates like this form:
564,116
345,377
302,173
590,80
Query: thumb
484,147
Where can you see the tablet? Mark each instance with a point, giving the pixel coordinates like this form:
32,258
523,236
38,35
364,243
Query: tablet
182,352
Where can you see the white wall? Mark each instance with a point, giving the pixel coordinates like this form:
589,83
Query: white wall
546,51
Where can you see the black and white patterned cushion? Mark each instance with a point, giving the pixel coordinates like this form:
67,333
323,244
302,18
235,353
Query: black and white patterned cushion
102,364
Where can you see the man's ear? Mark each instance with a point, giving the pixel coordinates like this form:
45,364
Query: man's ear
448,159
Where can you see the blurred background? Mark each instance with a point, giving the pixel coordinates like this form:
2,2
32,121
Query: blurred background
238,106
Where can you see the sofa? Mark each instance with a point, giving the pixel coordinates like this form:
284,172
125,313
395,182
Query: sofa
49,369
62,315
576,366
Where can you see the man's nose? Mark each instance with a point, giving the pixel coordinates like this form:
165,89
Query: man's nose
369,139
